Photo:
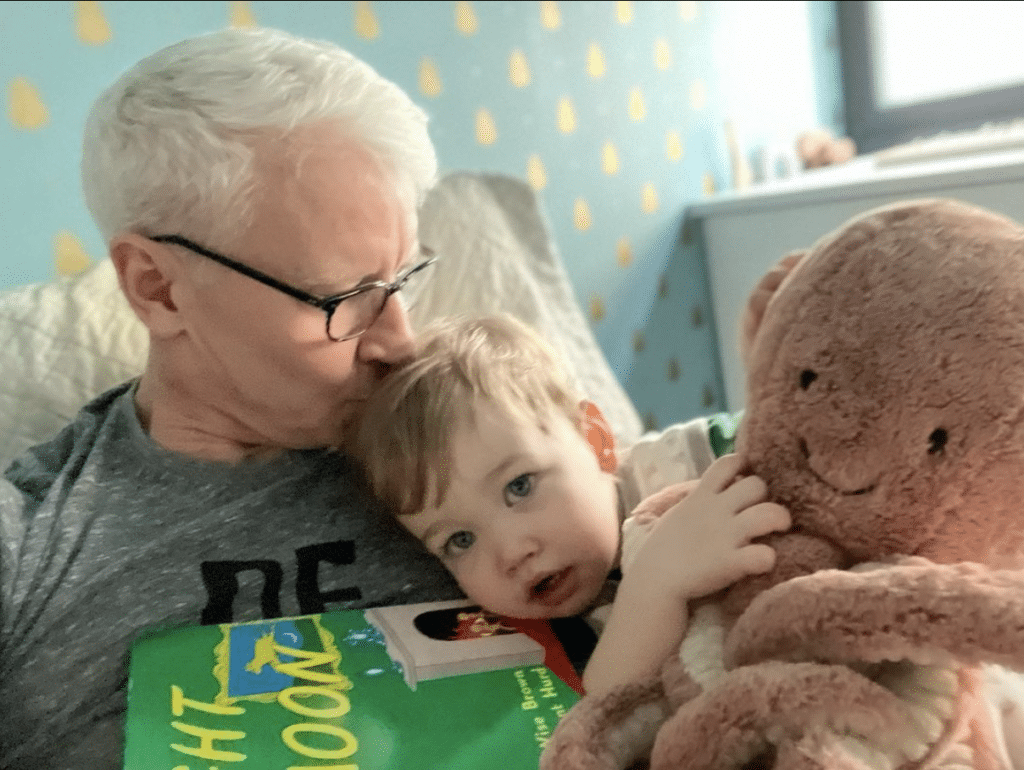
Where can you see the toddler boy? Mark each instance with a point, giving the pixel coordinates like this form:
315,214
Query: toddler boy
488,455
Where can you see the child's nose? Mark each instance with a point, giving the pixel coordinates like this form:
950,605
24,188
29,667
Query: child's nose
517,550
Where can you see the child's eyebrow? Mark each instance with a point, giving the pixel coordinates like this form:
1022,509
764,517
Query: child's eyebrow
502,467
431,531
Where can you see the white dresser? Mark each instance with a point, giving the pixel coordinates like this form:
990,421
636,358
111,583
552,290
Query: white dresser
744,234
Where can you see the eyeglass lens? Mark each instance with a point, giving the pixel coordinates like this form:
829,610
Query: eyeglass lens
359,312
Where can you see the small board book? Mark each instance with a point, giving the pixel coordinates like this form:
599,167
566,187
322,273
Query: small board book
435,686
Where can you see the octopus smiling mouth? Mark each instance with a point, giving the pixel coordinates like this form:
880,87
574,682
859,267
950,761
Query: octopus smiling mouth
849,492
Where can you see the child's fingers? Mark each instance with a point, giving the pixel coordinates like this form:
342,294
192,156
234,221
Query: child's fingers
756,558
722,472
744,492
656,504
761,519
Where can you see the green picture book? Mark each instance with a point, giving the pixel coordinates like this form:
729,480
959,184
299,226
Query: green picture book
438,686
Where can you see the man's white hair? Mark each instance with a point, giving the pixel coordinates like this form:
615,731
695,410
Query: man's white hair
168,148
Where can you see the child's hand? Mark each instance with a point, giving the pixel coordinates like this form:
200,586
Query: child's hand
703,543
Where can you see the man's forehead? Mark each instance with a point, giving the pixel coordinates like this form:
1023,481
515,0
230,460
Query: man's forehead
328,213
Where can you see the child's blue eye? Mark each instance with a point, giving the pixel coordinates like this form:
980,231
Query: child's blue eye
518,488
460,541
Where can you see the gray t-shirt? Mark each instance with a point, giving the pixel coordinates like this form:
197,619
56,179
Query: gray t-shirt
104,533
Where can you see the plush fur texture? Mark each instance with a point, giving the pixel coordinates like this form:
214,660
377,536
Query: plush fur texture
885,409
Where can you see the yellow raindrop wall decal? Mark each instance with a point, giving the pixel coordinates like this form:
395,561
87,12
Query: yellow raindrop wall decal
673,370
24,105
698,95
90,23
624,11
708,399
649,198
566,116
708,184
465,18
624,253
486,131
242,16
688,9
596,308
68,254
662,55
430,78
673,146
581,215
535,173
550,16
609,159
637,109
519,69
595,61
639,342
366,21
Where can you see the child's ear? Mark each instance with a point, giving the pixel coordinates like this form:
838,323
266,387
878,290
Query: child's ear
598,435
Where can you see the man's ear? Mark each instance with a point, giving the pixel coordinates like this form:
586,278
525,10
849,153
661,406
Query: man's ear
598,435
146,271
761,297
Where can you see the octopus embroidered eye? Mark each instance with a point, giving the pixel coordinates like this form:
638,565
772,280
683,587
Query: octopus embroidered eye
806,378
937,441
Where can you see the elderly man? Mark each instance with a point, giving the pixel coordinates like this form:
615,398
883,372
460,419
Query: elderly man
258,193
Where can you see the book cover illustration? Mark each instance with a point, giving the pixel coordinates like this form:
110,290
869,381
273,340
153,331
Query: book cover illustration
420,641
420,687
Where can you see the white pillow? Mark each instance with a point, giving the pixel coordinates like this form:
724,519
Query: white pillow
64,342
497,256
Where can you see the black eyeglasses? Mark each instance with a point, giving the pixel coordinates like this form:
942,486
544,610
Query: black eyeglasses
363,304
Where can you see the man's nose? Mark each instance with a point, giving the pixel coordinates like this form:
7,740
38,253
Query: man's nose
389,339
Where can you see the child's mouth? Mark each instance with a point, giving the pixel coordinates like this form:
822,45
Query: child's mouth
550,589
541,588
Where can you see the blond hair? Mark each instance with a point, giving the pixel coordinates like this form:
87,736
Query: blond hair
404,437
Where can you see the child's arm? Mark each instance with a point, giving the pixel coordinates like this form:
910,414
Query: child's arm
700,545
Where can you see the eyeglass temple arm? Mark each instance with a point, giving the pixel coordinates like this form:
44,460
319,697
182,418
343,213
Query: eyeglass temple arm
322,303
244,269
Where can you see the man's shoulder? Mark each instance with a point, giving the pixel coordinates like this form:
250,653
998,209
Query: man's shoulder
35,470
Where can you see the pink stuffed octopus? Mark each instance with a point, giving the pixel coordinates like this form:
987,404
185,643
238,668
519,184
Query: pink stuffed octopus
885,409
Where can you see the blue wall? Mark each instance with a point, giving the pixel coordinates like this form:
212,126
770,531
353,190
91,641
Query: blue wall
613,110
